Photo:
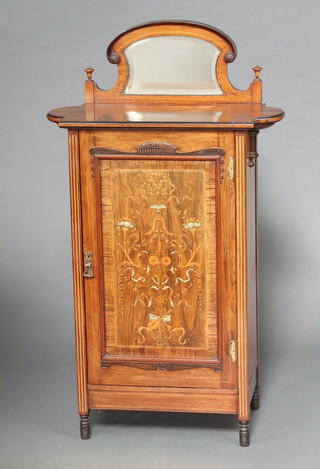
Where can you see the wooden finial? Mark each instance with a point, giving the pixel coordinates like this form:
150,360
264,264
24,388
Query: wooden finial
89,71
257,71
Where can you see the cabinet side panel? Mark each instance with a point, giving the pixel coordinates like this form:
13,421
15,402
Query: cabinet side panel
252,270
79,309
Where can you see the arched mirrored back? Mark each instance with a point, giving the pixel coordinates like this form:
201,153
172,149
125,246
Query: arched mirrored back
176,62
172,65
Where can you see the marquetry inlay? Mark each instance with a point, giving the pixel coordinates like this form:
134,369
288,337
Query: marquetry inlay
160,227
160,264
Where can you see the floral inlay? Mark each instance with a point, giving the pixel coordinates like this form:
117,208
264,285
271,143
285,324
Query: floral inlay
160,272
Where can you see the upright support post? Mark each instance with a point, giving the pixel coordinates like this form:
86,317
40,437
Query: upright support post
242,287
78,289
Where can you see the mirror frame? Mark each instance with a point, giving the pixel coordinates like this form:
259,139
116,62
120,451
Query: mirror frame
115,55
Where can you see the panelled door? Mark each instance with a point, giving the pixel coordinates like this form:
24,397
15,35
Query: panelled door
159,239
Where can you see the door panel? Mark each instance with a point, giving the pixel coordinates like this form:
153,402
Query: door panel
160,309
159,258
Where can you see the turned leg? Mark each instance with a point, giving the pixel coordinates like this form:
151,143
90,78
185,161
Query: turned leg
244,434
255,402
85,427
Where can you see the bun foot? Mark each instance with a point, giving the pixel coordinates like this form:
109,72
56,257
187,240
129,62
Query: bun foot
244,434
255,402
85,427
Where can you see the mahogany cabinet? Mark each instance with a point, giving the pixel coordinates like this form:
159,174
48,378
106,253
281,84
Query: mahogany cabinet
163,206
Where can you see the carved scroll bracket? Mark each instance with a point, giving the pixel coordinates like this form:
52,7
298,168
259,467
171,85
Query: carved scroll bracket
114,58
252,155
218,367
229,57
156,148
164,149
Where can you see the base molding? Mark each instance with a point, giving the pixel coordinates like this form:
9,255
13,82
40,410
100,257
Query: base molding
163,399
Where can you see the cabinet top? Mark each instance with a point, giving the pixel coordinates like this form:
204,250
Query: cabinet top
245,116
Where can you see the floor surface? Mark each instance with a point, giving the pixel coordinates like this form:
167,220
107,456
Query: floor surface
39,427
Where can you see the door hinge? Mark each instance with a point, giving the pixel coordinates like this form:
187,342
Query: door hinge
234,351
232,168
88,265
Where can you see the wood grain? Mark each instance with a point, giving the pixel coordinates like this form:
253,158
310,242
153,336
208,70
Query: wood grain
202,116
79,309
242,276
160,293
162,399
226,262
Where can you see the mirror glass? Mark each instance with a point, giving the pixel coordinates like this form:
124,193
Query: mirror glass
172,65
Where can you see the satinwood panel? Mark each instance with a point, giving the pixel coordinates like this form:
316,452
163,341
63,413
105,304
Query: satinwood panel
158,223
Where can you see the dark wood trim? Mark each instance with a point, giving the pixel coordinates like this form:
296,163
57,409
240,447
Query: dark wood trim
114,58
158,148
156,364
162,125
165,150
253,154
230,56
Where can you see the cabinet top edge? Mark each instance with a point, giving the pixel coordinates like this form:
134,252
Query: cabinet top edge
198,116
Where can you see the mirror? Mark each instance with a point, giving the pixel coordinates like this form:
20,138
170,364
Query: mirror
172,65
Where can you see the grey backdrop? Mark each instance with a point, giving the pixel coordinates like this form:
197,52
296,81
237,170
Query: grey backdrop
45,45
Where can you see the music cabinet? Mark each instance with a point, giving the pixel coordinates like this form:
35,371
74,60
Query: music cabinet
163,206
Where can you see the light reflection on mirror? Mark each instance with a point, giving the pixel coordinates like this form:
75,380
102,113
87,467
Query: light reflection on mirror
168,116
172,65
